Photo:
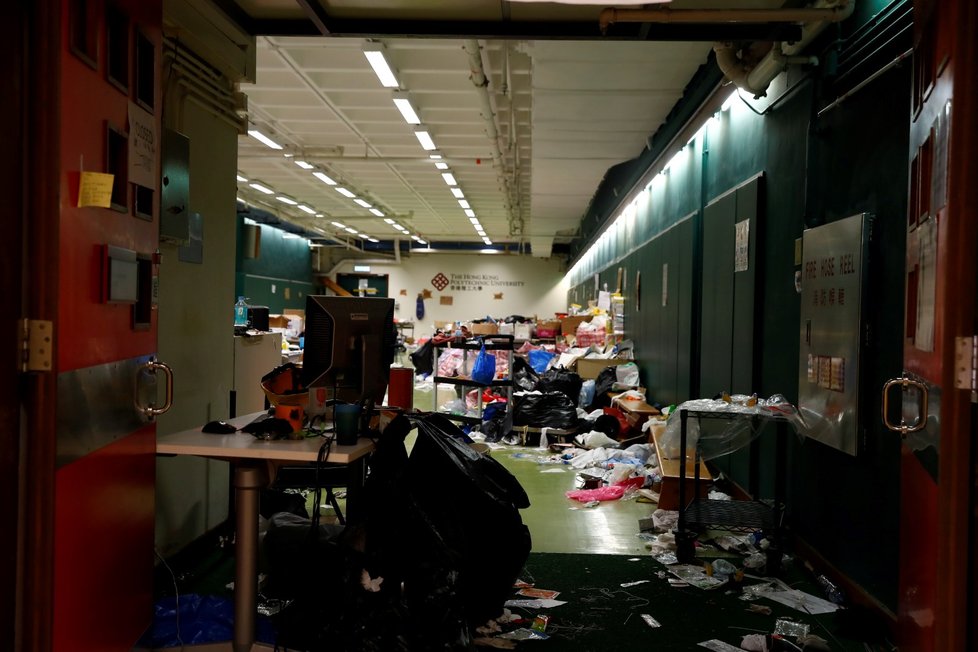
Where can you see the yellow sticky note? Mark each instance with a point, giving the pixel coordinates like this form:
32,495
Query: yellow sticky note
95,189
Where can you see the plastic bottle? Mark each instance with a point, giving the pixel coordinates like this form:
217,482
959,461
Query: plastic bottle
832,592
241,312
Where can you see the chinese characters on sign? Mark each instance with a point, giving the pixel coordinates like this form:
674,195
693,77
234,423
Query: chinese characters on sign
829,267
472,282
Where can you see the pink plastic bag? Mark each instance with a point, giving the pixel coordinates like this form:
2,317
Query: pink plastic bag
613,492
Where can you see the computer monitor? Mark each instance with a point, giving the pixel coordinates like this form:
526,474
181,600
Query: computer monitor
349,346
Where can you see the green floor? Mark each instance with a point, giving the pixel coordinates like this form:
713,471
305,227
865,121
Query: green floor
559,524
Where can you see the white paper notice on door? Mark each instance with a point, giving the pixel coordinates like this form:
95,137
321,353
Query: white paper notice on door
742,246
927,284
142,147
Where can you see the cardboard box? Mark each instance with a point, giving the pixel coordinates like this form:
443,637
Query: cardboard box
278,321
548,328
484,329
568,325
523,331
591,367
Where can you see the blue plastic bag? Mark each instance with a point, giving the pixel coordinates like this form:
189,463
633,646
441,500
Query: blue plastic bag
484,369
540,360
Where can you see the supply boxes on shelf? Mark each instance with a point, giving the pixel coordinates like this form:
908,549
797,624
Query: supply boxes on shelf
453,362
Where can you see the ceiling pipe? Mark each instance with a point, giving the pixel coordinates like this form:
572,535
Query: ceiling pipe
755,77
748,75
667,15
481,82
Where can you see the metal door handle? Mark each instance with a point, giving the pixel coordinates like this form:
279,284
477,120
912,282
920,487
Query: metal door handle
921,422
152,366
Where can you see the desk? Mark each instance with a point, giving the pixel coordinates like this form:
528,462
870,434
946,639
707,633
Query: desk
255,464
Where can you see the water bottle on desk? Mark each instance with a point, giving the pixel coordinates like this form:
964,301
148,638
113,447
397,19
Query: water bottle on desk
241,313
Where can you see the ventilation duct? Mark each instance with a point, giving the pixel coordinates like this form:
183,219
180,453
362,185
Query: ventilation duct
750,67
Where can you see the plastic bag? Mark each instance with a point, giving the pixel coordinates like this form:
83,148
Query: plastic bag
553,410
558,379
484,369
540,360
587,393
524,377
614,492
627,375
422,358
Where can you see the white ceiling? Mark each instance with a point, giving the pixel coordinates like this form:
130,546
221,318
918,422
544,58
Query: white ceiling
564,112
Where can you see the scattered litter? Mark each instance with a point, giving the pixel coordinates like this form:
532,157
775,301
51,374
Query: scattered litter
667,558
553,469
650,621
626,585
695,576
371,584
543,603
676,583
801,601
524,634
271,606
541,594
634,559
762,609
665,520
520,584
660,574
756,560
732,543
540,623
786,627
718,646
723,567
614,492
718,495
754,643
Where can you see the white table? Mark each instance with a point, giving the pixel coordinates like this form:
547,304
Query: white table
255,463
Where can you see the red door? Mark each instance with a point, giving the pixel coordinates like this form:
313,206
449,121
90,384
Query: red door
105,325
937,422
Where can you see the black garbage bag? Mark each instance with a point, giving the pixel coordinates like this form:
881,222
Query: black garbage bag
444,524
550,410
558,379
422,358
525,377
602,385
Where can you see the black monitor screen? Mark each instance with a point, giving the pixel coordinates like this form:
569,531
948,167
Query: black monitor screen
349,346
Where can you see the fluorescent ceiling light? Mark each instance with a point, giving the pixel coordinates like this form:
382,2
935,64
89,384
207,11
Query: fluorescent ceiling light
260,188
350,229
403,104
441,165
319,214
286,200
304,165
390,221
339,225
290,236
458,193
481,232
469,212
425,139
418,240
241,179
487,241
325,179
363,235
474,219
307,209
435,157
377,212
346,193
257,135
361,202
314,245
361,268
373,239
449,178
375,55
464,203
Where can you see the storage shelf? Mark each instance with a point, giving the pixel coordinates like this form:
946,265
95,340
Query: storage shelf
468,382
